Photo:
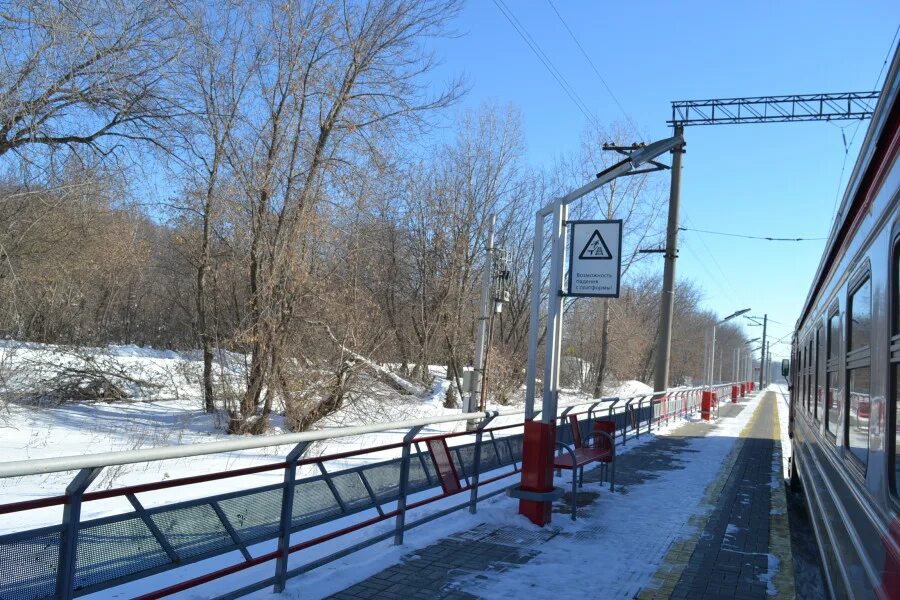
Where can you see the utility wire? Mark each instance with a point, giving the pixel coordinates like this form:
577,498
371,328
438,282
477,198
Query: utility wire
712,256
714,278
752,237
545,60
594,67
847,146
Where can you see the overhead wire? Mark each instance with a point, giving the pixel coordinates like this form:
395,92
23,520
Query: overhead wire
752,237
545,60
847,146
594,68
714,278
712,257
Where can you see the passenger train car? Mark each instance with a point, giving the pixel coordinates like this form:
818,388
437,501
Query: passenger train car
845,374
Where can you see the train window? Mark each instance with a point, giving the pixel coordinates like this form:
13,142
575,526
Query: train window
859,332
811,382
895,362
858,414
802,379
831,375
820,354
860,325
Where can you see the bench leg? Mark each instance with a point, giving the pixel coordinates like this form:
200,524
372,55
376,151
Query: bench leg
574,491
581,477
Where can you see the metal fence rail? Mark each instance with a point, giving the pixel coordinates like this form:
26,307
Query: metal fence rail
78,557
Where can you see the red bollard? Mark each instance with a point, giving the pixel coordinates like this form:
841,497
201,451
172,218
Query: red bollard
734,394
743,390
537,469
705,405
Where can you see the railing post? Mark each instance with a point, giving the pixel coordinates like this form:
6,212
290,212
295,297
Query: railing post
640,402
68,536
404,485
287,516
473,494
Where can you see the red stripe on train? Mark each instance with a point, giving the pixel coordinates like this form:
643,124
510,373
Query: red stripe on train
889,589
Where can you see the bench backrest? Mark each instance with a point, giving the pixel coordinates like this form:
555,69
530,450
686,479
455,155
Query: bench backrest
576,431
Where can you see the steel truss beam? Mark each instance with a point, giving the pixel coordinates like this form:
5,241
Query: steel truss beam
775,109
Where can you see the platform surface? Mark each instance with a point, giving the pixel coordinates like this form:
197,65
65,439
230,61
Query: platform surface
699,512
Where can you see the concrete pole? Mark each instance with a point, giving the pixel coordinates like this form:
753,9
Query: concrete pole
554,314
531,373
667,303
705,358
763,357
487,303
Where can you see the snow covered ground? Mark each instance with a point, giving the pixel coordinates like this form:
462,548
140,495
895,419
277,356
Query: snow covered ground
170,414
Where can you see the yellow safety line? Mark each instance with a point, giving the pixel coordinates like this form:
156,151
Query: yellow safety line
679,554
779,523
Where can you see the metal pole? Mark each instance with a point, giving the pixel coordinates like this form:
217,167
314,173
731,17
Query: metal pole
667,302
481,335
68,535
476,462
762,358
400,524
537,262
287,515
554,315
712,357
739,366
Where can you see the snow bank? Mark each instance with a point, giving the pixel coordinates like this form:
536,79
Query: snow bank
630,388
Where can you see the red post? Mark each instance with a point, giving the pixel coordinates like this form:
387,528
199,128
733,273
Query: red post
537,469
705,405
734,394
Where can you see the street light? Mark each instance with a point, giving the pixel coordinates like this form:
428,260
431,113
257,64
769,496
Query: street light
749,366
712,353
739,367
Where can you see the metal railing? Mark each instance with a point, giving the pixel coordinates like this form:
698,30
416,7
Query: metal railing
79,557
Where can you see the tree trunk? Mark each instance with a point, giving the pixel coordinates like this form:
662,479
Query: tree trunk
209,404
604,352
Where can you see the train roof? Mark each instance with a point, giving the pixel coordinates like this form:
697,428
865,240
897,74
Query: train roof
873,147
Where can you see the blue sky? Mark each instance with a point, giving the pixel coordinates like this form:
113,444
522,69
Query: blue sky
774,179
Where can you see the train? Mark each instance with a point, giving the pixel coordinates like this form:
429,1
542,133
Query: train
844,374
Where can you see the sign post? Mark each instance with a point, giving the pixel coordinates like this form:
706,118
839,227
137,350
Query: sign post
593,271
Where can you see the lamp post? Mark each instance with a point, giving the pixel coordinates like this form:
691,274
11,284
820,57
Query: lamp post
712,349
743,371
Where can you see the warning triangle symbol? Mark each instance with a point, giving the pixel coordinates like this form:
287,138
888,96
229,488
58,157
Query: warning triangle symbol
596,248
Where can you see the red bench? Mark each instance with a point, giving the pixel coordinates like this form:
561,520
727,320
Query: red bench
577,457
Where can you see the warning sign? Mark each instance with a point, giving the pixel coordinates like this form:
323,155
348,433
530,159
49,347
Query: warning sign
596,248
595,258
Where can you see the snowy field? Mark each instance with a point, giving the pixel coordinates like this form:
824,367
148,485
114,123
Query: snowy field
171,414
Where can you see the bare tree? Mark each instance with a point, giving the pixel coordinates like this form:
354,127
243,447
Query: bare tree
85,75
329,79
